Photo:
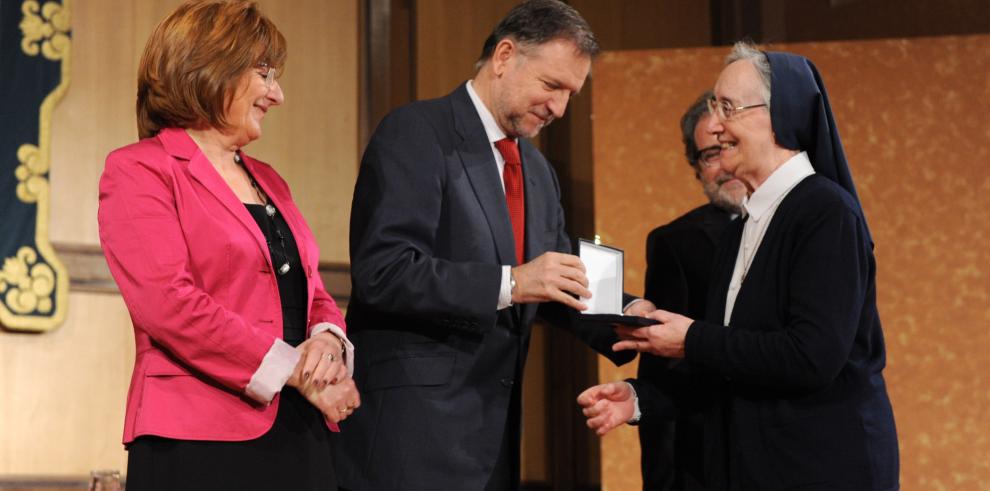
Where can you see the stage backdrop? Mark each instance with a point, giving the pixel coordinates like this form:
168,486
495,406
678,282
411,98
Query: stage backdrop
911,115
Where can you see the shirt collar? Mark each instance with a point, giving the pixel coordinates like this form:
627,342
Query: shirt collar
778,184
492,129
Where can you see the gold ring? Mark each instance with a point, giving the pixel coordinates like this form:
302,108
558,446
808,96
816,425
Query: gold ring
331,357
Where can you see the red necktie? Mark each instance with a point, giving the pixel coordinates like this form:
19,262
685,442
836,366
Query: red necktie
512,178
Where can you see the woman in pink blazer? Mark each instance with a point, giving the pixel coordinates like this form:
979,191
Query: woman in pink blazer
242,362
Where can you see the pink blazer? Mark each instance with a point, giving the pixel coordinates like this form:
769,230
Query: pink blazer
194,271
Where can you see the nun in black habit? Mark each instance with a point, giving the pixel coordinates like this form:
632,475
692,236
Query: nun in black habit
791,345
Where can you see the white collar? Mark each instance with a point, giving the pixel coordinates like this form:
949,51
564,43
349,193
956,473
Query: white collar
778,184
492,129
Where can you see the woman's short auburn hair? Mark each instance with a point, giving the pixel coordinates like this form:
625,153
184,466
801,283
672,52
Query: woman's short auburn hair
194,60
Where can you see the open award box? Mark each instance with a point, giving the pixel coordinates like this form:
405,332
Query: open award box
603,267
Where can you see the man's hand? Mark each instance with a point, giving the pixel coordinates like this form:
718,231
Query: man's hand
607,406
639,308
551,278
336,401
665,339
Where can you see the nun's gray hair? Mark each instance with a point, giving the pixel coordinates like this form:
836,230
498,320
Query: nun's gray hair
744,50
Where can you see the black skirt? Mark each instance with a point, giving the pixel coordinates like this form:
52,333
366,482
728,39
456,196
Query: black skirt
294,454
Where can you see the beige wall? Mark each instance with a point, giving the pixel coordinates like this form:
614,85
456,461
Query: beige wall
445,50
64,390
915,144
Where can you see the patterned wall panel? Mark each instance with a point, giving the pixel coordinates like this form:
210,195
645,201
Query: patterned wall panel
910,112
34,49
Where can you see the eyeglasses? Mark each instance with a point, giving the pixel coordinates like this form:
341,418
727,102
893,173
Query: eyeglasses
268,73
724,110
708,157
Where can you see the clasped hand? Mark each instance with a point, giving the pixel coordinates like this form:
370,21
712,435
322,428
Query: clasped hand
552,277
321,376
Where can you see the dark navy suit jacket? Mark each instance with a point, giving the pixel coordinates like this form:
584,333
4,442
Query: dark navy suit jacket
437,366
679,258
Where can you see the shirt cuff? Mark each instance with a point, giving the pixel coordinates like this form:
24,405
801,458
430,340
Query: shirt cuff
348,347
505,291
637,414
275,369
631,303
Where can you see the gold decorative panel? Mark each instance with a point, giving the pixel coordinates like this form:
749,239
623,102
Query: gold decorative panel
917,140
34,284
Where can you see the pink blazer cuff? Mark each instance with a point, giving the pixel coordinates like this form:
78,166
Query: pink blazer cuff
274,371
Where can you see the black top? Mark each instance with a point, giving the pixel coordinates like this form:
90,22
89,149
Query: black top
291,285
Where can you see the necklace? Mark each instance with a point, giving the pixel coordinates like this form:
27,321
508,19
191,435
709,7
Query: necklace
278,256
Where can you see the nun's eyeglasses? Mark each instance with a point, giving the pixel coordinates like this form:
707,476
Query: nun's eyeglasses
724,110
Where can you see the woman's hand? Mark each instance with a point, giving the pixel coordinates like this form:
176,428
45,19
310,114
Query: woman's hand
321,363
336,401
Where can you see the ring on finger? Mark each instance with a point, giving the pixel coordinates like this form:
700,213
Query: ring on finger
331,357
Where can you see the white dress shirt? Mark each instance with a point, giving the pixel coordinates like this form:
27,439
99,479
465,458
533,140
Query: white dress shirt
760,208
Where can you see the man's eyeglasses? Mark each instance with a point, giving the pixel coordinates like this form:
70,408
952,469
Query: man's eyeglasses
724,110
268,73
708,157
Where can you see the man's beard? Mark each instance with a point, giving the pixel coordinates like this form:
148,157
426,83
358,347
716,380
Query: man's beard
516,121
722,197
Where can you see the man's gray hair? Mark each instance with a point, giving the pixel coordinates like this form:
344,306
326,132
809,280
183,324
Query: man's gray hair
744,50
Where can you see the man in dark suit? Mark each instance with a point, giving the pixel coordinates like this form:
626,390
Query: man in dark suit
679,259
791,345
457,237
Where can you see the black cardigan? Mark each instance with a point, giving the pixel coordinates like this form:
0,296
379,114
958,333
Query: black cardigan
801,397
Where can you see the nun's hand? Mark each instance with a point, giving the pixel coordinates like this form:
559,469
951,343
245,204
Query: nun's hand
665,339
639,307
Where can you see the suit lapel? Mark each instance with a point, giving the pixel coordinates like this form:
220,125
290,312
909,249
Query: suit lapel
714,223
475,152
536,202
181,146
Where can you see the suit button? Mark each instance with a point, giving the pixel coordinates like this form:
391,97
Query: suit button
507,382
